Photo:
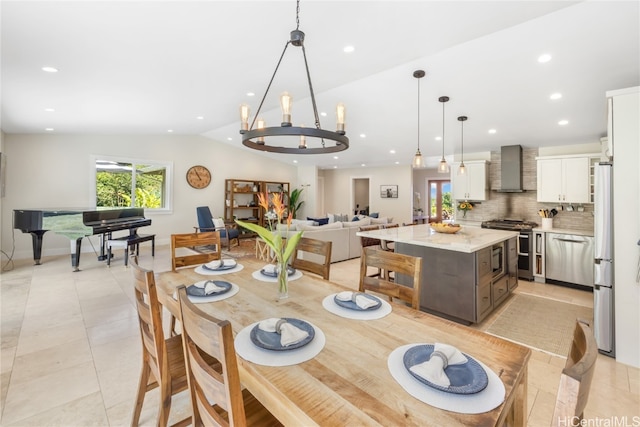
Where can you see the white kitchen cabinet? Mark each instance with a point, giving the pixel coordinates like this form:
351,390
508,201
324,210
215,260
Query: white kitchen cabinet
564,180
472,185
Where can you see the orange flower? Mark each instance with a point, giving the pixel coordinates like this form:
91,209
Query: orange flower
289,219
262,201
278,205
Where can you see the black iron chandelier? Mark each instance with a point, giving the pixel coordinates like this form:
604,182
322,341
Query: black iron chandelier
260,137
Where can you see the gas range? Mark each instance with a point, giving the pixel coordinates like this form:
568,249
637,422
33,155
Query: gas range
509,224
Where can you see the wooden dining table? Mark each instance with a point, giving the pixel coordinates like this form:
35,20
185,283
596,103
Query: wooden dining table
348,383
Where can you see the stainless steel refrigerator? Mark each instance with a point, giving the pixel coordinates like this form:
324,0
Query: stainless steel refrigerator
603,301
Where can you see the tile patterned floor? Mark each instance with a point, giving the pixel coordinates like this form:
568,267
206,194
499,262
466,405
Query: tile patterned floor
70,349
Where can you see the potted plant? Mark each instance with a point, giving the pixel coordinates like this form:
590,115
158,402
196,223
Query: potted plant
294,201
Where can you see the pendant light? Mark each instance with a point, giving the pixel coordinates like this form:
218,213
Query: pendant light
443,167
277,139
418,162
462,169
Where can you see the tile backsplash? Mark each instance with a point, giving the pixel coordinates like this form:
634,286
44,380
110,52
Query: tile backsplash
524,205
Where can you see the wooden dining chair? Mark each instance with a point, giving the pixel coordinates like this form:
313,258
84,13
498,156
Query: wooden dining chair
163,364
386,245
318,256
575,380
398,263
217,397
206,245
366,242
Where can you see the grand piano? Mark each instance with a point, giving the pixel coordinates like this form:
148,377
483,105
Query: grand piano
77,224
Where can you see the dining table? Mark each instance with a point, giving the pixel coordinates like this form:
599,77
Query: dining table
349,381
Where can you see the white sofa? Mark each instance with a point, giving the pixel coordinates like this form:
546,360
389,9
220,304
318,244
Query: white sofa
342,235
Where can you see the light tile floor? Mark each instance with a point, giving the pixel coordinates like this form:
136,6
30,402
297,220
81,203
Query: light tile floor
70,352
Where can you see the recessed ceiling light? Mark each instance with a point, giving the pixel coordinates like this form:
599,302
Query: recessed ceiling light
170,130
323,114
555,96
295,161
348,49
335,167
392,151
362,164
544,58
49,129
492,131
200,117
335,157
362,135
49,110
50,69
397,163
438,138
563,122
251,94
229,139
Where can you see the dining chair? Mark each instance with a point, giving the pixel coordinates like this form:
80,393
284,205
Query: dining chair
163,364
217,397
208,241
575,380
318,256
366,242
228,232
398,263
387,245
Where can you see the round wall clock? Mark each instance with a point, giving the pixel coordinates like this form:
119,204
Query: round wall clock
198,176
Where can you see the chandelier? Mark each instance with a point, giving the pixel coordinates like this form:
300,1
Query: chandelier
462,169
443,167
278,139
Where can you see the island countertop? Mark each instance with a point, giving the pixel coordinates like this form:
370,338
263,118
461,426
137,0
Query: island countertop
469,239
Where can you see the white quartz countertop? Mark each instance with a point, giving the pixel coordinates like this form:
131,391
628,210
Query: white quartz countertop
469,239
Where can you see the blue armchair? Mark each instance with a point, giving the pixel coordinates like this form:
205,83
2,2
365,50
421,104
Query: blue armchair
228,233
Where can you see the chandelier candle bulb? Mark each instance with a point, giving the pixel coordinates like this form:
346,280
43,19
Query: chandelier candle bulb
260,125
303,140
244,117
340,118
285,103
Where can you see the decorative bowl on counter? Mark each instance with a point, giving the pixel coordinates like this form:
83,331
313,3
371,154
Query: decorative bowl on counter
448,228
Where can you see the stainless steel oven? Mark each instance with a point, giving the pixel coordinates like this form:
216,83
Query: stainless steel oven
525,242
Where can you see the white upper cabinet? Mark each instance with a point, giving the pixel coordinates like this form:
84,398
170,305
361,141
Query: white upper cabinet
564,180
472,185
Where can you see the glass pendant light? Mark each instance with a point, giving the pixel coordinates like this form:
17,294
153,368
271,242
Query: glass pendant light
443,167
462,169
418,163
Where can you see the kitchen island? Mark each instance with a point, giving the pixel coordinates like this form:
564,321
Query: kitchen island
464,275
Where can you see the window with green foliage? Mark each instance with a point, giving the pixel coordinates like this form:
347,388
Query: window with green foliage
127,183
440,206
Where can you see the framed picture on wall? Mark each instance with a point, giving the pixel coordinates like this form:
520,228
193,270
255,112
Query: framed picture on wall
389,191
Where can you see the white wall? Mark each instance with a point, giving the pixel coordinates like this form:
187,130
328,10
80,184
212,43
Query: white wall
339,197
52,171
626,222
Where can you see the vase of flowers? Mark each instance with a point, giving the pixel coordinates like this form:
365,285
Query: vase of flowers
464,207
282,247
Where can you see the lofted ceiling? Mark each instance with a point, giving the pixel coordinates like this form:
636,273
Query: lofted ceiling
184,67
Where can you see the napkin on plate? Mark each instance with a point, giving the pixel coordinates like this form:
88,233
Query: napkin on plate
219,263
209,287
269,269
361,301
289,334
433,369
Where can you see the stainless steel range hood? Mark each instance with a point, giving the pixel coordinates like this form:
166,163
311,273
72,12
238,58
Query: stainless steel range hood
511,169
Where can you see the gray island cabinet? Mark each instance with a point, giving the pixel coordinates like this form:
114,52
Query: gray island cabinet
464,275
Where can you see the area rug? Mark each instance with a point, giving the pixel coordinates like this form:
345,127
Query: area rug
246,248
540,323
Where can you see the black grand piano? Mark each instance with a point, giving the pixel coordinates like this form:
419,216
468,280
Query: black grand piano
77,224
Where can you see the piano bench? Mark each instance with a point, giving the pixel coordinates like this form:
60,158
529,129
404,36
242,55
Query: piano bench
125,242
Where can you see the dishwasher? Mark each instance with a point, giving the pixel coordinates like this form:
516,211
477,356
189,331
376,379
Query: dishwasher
569,258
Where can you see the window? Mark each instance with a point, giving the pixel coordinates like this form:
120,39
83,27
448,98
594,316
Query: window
440,206
132,183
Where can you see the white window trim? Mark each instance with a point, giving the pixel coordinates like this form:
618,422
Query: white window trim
168,209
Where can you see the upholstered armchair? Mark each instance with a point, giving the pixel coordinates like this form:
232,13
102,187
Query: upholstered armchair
228,232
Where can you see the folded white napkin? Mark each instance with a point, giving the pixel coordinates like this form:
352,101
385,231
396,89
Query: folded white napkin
433,369
228,262
361,301
209,287
289,334
269,268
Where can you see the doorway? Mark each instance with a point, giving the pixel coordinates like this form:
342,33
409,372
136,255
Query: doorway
360,196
